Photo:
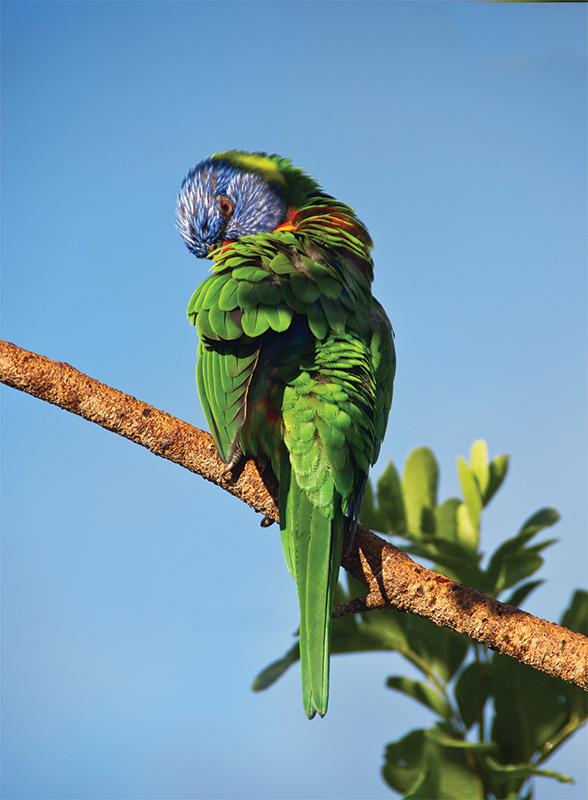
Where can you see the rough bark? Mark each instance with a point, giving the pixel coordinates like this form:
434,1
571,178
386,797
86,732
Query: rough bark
390,575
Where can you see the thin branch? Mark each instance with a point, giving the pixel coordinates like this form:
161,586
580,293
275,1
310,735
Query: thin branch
166,436
392,577
396,580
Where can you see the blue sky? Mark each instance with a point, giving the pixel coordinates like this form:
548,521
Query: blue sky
140,601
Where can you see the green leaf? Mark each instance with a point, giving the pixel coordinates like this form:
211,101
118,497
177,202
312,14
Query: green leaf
446,519
575,618
275,670
429,784
419,483
480,464
404,761
516,567
537,548
466,532
522,592
498,470
512,561
543,518
370,516
471,692
440,649
422,768
382,629
363,638
523,771
507,548
441,737
391,500
471,493
355,588
421,692
530,709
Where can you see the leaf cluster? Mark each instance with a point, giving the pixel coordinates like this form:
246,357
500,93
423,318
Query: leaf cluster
449,534
497,721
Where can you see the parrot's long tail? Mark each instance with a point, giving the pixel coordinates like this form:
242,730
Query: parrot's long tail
313,544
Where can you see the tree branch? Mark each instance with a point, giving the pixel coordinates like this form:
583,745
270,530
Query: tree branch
392,577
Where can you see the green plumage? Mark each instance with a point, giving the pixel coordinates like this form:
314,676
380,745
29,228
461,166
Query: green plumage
295,366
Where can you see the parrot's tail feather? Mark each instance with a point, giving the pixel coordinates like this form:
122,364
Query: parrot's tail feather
315,541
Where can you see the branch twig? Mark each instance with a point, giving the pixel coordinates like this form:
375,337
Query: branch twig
391,576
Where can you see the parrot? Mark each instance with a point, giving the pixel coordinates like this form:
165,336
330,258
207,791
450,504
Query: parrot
295,363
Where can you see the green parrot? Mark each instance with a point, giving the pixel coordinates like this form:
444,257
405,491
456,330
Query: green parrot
295,363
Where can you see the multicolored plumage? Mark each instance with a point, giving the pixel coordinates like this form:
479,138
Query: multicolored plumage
295,363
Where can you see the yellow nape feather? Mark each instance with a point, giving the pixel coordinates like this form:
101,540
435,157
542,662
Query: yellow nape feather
260,163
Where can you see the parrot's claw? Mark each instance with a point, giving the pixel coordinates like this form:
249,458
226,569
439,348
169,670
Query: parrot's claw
236,458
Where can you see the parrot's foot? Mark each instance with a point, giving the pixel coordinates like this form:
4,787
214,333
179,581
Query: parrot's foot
235,460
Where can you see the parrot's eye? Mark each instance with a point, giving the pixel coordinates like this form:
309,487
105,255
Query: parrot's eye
225,206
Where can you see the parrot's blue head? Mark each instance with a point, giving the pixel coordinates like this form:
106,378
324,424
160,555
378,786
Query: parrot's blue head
219,202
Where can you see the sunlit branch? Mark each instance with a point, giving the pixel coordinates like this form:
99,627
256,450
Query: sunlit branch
392,577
